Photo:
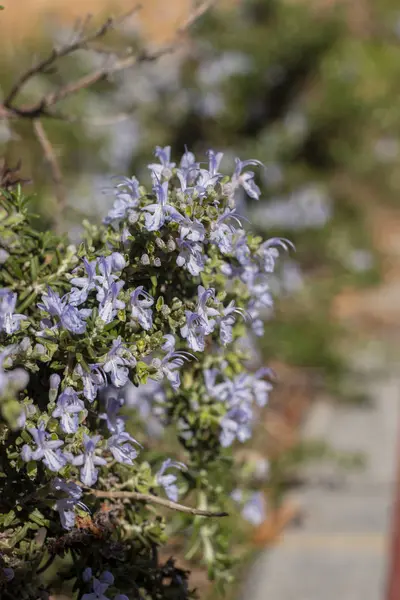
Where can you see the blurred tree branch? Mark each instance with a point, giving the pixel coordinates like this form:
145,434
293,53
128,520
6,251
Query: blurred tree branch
12,110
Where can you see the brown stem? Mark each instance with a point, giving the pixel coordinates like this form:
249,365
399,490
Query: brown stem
150,499
56,174
81,42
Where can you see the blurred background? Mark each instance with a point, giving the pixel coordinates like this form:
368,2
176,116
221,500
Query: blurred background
310,88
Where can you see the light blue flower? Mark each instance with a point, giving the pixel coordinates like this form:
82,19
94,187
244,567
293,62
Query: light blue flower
227,321
70,317
194,331
9,322
168,482
214,161
67,409
268,252
99,586
236,424
254,509
127,198
261,387
164,168
192,230
88,460
172,362
141,301
92,381
83,285
157,213
120,446
205,312
47,449
112,406
246,179
191,257
110,304
66,505
117,363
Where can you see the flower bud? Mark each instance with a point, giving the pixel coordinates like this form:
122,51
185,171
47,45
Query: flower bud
117,261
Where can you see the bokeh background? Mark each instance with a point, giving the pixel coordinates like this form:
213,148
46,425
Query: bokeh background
310,88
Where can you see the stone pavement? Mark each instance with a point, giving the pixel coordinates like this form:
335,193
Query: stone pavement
340,551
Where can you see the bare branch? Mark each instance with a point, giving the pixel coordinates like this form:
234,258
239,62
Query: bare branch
52,161
41,107
150,499
81,41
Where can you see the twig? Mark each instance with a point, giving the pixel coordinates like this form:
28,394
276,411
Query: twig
10,111
81,42
150,499
56,174
41,107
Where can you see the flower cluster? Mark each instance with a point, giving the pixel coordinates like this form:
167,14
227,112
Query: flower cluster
156,301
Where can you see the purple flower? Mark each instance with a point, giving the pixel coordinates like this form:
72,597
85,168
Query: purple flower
148,400
205,180
206,311
88,460
16,379
254,509
191,230
71,318
168,482
222,231
214,160
227,321
8,573
121,448
117,362
113,421
188,171
107,267
46,449
99,586
67,409
140,307
171,363
83,285
127,196
110,304
261,294
165,166
213,389
241,249
66,505
246,180
194,331
157,213
9,322
261,388
236,424
92,381
190,256
268,253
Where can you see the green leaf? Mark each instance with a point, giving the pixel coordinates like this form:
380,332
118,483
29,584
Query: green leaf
31,469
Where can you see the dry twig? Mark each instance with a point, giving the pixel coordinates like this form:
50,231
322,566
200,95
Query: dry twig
11,110
56,174
150,499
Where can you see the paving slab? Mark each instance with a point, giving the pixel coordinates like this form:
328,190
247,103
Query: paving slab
340,551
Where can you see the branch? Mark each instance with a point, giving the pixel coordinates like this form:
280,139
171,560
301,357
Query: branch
41,107
150,499
80,42
52,161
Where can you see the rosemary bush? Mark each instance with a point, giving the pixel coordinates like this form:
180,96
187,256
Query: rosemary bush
155,309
